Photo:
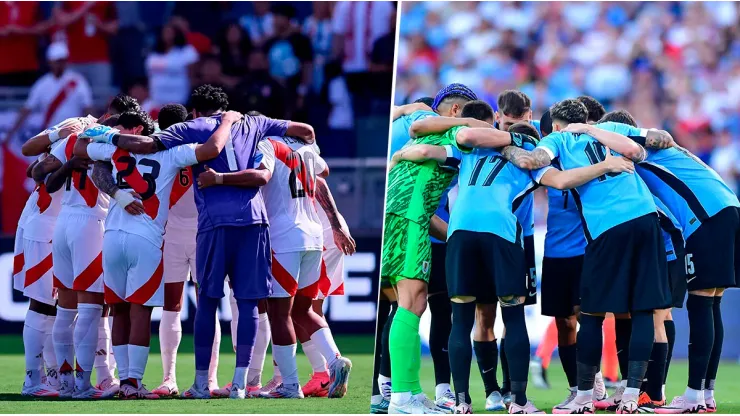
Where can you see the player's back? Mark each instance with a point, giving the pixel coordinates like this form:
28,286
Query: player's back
152,177
400,129
290,193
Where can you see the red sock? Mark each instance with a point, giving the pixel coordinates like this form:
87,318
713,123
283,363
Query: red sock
548,344
610,367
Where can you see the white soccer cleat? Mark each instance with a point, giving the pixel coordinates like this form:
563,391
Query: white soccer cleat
446,401
611,403
66,389
628,406
110,383
130,392
39,390
579,405
463,409
600,393
194,392
568,399
270,386
339,377
681,404
284,391
92,393
168,388
495,402
415,406
237,393
710,404
528,409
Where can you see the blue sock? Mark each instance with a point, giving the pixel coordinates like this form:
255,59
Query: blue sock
204,330
517,351
246,330
590,339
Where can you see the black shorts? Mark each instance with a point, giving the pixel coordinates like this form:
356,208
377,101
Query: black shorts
677,281
711,251
624,269
561,285
437,281
484,266
530,270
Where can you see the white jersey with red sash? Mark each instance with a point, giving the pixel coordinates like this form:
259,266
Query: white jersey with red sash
182,226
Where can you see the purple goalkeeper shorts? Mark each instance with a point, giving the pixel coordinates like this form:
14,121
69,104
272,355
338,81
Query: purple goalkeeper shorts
242,253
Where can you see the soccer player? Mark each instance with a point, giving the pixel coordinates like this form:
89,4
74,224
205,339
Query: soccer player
231,222
624,258
706,209
132,260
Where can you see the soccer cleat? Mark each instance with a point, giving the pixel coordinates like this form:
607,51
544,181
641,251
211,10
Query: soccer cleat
317,385
92,393
225,391
167,388
51,379
568,399
507,398
579,405
270,386
538,374
339,377
628,405
66,389
415,406
528,409
495,402
446,401
194,392
600,393
710,404
284,391
464,409
110,383
610,404
131,392
380,407
39,390
236,393
647,405
680,404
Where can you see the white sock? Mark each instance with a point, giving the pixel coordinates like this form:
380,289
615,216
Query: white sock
400,398
261,342
663,390
102,366
240,377
324,342
318,363
170,335
201,379
708,394
213,368
111,356
376,399
63,339
383,379
86,340
693,395
34,335
137,358
441,389
275,368
235,319
284,356
588,393
50,356
632,391
121,351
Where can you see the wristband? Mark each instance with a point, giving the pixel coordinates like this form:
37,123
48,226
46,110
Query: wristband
219,178
114,139
54,136
123,198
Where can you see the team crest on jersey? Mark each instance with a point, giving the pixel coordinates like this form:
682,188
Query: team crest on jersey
425,267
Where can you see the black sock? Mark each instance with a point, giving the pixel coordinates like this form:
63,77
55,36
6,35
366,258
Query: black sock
439,334
486,353
656,371
567,355
701,338
640,348
461,352
385,358
506,379
670,331
384,308
517,351
719,337
589,342
623,331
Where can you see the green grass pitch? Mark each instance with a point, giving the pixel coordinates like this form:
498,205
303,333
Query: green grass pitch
357,348
727,388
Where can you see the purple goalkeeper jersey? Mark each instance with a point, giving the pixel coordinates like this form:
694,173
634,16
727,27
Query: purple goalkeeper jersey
224,205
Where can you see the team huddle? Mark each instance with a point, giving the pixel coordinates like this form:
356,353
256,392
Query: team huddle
634,222
116,226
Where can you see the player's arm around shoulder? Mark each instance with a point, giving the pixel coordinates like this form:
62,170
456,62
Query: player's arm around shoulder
610,138
572,178
408,109
216,143
419,153
482,137
439,124
247,178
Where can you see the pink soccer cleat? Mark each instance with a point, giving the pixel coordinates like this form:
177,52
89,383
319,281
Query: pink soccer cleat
167,388
39,390
578,405
317,386
681,404
527,409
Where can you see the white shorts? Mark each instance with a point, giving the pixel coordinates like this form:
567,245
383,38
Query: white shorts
179,262
18,261
133,270
38,281
294,273
77,251
332,272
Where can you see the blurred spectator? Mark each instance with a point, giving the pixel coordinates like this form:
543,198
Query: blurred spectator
357,25
318,28
20,23
381,58
289,53
168,67
87,28
200,42
58,95
260,25
234,47
260,91
341,117
211,72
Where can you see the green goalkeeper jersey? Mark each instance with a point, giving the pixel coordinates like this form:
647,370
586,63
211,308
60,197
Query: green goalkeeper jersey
415,189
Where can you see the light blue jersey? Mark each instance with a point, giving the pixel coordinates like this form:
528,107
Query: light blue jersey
564,236
400,130
671,230
443,211
608,200
690,189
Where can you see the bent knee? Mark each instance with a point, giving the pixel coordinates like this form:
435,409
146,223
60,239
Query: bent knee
510,300
462,299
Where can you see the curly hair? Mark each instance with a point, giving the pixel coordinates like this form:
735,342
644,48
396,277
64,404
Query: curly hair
619,116
122,103
171,114
131,119
594,107
569,111
208,98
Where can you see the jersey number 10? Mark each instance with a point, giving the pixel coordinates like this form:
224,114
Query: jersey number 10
596,152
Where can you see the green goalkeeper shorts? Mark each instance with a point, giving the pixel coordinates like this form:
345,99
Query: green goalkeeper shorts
407,251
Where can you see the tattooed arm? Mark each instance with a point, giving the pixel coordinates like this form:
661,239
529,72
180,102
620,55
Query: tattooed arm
102,175
56,180
524,159
658,139
342,237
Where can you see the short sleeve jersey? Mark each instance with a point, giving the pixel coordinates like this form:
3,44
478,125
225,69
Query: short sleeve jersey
152,177
400,130
608,200
226,205
81,195
43,211
290,193
415,189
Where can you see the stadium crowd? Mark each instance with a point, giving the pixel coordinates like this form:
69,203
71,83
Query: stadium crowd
672,64
300,61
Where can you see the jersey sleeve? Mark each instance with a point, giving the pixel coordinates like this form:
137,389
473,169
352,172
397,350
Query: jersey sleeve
100,151
319,164
271,126
178,134
58,150
634,133
184,156
551,144
537,174
451,138
421,115
454,156
267,152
